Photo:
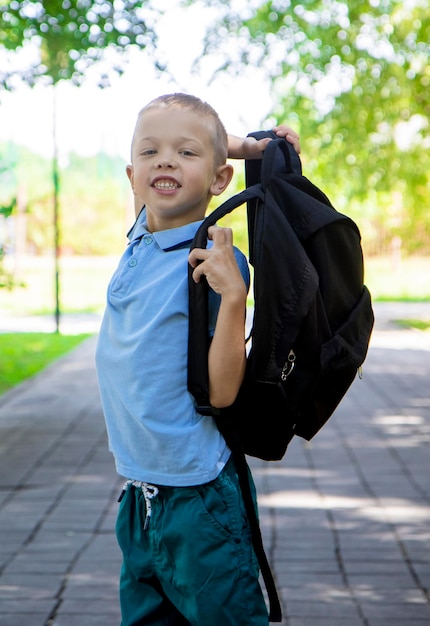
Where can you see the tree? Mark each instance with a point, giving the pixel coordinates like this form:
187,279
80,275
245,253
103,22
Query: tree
66,38
70,36
356,77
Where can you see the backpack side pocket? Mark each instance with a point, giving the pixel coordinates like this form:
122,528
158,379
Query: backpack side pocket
349,344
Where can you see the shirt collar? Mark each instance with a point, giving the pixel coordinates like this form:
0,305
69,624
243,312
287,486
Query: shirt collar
170,239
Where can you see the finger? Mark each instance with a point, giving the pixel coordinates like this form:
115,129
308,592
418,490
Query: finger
263,143
290,135
198,273
196,256
220,235
295,143
282,130
253,148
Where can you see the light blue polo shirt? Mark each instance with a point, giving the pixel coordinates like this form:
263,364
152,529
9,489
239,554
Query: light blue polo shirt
155,433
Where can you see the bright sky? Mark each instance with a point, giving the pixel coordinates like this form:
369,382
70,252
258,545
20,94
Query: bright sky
90,119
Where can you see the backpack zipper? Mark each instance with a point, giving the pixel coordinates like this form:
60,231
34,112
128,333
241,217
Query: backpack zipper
288,365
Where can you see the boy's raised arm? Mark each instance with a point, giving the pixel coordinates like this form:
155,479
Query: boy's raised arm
251,148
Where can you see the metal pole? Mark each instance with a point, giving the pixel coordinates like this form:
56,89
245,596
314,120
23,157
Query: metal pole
57,235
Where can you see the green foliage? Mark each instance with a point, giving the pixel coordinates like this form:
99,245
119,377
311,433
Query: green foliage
7,280
6,211
94,206
84,281
71,35
94,199
25,354
354,79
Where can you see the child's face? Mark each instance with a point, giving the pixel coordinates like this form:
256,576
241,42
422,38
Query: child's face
173,170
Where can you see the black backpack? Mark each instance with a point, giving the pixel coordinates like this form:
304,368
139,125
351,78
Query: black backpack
312,317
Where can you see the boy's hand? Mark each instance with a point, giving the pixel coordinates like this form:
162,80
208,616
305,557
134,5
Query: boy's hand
218,265
252,148
290,135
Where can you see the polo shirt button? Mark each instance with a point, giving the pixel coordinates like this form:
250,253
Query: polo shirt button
132,262
147,239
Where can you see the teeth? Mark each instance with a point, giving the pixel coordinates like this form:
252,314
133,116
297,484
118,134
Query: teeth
165,185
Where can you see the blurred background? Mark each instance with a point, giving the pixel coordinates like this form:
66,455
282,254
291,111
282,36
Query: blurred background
352,78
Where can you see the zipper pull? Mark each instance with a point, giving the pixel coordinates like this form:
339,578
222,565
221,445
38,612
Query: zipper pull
288,365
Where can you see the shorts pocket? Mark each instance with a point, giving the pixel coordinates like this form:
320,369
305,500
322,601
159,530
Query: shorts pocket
221,504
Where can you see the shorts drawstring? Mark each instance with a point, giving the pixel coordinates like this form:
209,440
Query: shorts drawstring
149,492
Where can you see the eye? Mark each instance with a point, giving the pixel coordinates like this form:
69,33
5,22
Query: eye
148,152
187,152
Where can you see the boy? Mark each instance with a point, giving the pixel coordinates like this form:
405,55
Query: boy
187,554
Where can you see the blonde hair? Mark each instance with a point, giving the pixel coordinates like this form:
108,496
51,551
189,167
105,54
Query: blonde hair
201,108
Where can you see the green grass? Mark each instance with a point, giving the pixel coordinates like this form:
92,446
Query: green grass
83,283
24,354
402,280
418,324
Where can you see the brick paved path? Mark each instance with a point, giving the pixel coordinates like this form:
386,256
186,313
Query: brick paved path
346,518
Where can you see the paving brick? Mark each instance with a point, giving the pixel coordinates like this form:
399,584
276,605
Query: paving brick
345,518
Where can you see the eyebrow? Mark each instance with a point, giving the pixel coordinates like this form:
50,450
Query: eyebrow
182,138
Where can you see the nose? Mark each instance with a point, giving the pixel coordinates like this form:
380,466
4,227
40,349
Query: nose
166,161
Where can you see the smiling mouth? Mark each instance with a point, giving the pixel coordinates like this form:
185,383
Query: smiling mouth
166,185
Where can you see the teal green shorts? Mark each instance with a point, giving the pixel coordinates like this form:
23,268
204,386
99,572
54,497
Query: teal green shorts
191,561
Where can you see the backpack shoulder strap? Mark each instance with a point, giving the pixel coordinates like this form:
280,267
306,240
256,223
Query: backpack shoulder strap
198,339
242,469
280,158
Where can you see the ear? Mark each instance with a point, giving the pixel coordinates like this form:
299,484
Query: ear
138,203
223,176
130,174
